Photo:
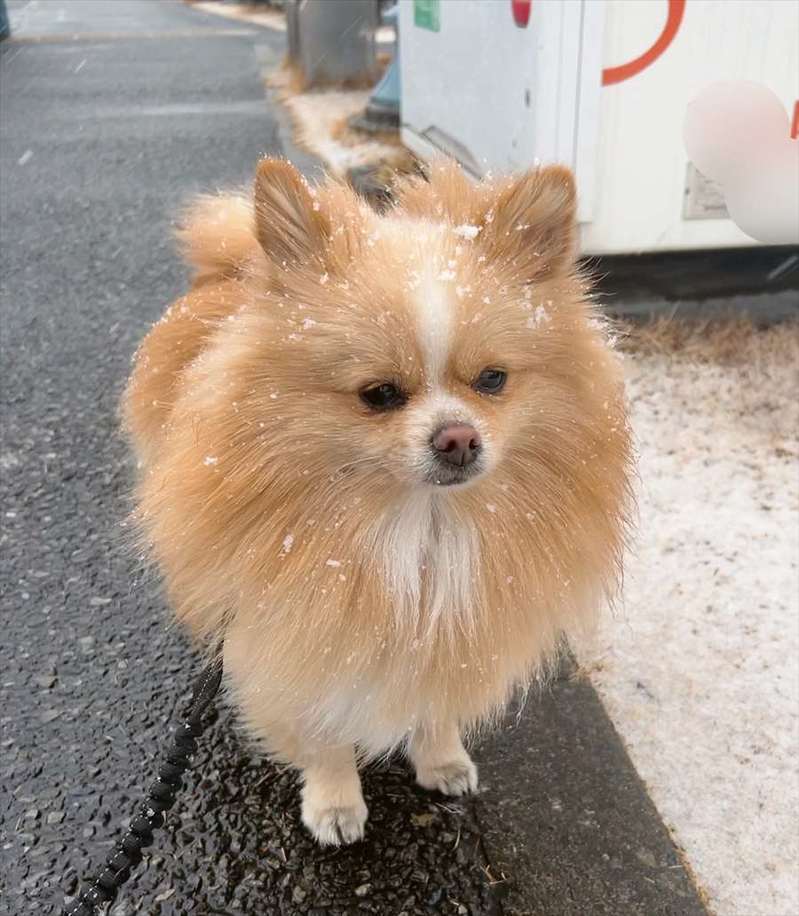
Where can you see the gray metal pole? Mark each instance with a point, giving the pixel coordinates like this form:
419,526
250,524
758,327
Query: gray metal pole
332,41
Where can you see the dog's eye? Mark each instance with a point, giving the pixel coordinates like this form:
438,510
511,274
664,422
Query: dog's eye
490,381
383,397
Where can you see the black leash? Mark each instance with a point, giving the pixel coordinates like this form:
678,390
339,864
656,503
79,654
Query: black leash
160,798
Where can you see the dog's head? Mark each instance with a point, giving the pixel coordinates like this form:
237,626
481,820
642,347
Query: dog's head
441,344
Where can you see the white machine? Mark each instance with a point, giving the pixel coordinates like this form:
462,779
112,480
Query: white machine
601,85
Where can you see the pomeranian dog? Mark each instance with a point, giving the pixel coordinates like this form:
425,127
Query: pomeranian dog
386,458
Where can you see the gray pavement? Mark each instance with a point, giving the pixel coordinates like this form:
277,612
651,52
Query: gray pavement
112,114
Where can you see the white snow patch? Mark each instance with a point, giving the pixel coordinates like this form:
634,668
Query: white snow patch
466,231
540,318
318,113
244,12
701,673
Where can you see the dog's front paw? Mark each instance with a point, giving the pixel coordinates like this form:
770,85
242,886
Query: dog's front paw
458,777
334,824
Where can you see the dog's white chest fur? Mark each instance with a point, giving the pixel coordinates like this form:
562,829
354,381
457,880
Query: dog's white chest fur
429,559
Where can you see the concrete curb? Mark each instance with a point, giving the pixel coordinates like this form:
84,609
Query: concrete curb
568,827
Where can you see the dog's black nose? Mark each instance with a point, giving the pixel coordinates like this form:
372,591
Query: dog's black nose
457,444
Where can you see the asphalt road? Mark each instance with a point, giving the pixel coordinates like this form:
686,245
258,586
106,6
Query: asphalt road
112,114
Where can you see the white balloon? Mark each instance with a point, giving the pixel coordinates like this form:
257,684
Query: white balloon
737,134
764,202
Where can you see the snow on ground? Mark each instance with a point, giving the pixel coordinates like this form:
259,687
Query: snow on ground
243,12
319,116
700,668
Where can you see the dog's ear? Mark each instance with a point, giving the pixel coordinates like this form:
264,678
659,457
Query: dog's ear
289,221
531,222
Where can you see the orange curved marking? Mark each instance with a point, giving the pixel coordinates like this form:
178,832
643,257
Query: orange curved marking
612,75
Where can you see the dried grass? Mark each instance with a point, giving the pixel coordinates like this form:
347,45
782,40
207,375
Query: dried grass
747,371
289,78
734,341
348,135
319,118
244,12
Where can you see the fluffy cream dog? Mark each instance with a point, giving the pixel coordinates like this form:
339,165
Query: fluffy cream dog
386,457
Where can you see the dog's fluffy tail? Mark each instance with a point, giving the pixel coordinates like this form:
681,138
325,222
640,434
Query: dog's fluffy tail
217,234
